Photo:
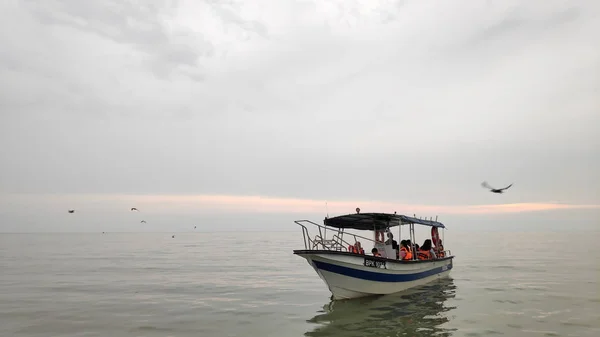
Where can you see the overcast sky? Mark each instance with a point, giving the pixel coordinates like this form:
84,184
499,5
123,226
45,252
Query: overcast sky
196,109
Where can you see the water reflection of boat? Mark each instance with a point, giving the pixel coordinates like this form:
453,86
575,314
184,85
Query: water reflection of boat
420,311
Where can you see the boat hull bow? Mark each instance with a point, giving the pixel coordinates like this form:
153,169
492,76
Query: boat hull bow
351,276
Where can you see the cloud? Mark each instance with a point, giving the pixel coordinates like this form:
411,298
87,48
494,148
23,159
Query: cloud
140,25
338,100
261,204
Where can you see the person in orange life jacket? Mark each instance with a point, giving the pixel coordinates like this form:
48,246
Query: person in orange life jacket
402,250
375,252
412,247
416,249
440,247
426,252
405,252
359,248
356,248
431,250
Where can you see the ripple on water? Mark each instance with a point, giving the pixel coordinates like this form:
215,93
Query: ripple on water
542,332
494,289
152,328
507,301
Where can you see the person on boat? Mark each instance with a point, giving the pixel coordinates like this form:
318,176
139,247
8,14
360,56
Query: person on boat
405,252
440,247
375,252
402,252
391,241
394,243
359,248
426,252
378,234
356,248
412,247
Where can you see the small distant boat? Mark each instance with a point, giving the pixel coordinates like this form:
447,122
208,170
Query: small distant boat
349,274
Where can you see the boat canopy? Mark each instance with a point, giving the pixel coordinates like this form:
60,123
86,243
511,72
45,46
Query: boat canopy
376,221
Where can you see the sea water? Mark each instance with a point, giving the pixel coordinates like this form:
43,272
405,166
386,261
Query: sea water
250,284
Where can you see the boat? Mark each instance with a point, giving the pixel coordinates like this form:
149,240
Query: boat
351,273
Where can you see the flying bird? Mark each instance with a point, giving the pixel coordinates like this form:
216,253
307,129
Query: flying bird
134,209
71,211
495,190
143,221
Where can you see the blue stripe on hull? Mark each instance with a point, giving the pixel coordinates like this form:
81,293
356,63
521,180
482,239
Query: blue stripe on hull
372,276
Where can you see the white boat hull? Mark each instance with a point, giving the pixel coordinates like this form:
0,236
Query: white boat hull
351,276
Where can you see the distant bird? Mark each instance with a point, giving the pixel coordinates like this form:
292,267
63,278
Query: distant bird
134,209
143,221
71,211
495,190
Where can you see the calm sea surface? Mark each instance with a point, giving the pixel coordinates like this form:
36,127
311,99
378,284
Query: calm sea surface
250,284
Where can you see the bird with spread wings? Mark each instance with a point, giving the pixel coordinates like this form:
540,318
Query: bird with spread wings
495,190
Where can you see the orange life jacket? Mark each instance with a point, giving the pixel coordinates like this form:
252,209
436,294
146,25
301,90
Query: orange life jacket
423,254
408,253
355,250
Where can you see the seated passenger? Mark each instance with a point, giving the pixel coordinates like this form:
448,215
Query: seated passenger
405,252
426,252
402,252
375,252
359,248
441,252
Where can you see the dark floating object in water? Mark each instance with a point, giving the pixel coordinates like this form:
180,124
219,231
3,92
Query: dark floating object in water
172,236
71,211
143,221
194,227
495,190
134,209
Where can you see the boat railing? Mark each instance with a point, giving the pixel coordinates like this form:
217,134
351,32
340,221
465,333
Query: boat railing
329,244
342,243
335,243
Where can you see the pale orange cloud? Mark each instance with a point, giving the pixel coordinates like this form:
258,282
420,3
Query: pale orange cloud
261,204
